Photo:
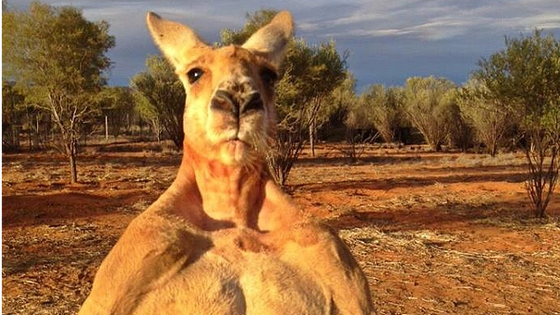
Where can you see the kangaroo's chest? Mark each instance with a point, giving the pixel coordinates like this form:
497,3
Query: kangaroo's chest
239,274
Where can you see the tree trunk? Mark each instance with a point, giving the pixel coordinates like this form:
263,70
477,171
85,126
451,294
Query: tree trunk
312,137
106,130
540,211
37,134
543,174
15,136
436,146
72,159
29,139
493,148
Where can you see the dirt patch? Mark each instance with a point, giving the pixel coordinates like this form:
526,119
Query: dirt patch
435,233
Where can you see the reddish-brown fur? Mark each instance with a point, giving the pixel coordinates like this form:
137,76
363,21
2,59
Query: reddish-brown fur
224,239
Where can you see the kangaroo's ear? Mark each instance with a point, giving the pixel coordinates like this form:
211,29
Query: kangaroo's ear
173,39
272,39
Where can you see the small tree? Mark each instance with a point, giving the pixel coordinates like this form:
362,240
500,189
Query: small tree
461,134
311,74
118,104
524,78
148,112
328,70
427,104
58,57
12,116
385,109
356,118
543,154
489,120
160,98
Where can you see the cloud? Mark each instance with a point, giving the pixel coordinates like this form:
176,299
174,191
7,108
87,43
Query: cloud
388,40
436,20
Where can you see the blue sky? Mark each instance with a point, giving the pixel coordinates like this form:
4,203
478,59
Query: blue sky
388,41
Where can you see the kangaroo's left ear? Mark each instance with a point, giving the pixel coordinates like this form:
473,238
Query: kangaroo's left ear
174,39
272,39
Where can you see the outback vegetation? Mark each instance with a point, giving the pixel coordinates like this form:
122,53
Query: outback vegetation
57,59
447,232
456,148
510,102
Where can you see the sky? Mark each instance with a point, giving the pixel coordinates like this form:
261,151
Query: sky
388,41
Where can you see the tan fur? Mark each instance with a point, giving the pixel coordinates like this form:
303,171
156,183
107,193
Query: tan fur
223,239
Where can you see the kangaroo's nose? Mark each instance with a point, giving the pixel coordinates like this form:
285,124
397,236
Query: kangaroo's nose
253,103
225,101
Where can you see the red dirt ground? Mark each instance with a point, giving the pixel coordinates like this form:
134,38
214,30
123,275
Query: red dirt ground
444,233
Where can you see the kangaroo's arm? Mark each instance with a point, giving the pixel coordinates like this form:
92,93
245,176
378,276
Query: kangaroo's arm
153,249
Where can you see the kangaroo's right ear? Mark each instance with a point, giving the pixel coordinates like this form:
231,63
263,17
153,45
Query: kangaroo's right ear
272,39
173,39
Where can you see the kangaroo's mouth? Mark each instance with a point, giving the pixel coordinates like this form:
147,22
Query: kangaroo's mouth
236,149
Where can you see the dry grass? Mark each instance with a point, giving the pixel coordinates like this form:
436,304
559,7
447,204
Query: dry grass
48,269
436,280
434,233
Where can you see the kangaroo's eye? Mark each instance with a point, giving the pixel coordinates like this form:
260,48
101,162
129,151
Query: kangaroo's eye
269,76
194,74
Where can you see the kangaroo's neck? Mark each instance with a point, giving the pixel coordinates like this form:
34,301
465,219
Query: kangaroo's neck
227,194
